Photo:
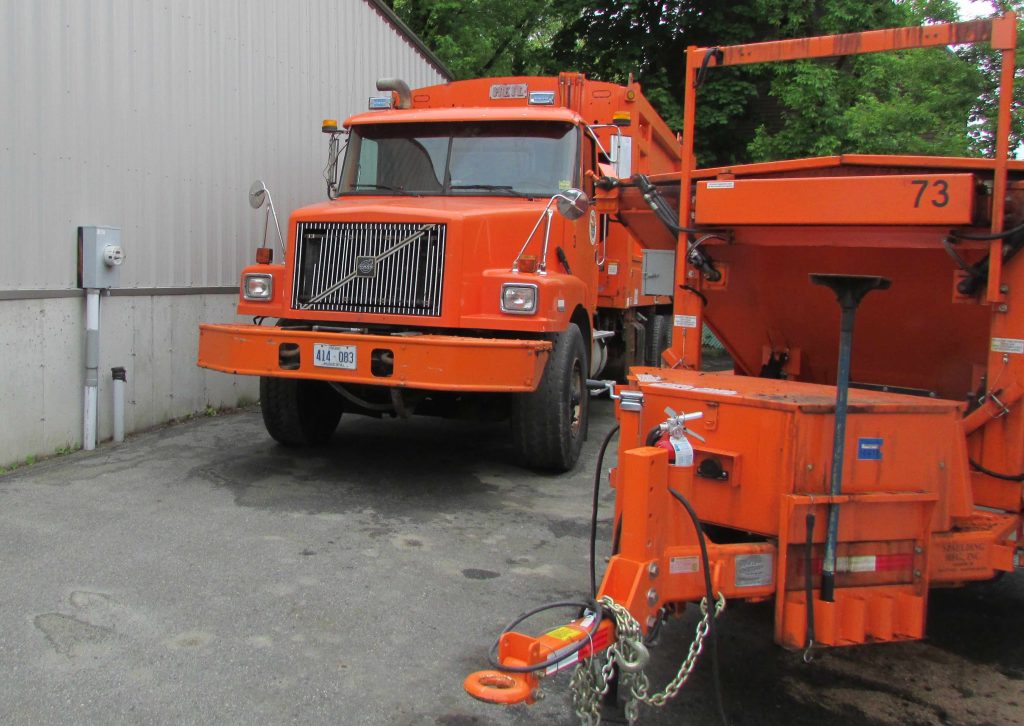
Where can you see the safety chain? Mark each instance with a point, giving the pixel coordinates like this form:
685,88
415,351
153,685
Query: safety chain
591,680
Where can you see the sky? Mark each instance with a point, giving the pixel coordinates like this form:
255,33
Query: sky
970,9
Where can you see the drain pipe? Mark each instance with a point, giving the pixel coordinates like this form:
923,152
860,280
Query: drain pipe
92,364
120,378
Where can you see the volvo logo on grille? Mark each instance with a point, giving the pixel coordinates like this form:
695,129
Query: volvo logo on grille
366,266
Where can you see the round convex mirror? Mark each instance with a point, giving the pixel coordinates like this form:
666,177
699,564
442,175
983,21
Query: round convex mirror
572,203
257,194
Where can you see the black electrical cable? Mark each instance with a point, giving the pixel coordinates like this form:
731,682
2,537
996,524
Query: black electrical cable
995,474
557,656
593,512
809,581
695,291
617,537
715,53
987,237
711,600
977,273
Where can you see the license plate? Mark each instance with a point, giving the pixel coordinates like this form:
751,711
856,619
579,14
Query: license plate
334,356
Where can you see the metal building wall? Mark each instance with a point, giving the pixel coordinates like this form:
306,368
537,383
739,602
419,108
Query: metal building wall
155,118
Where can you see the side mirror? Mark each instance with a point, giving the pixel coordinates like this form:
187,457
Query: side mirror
572,203
257,194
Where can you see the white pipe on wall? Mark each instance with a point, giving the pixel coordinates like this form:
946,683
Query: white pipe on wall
92,363
120,379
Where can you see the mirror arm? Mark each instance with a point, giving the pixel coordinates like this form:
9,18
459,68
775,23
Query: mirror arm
542,268
280,237
590,130
547,208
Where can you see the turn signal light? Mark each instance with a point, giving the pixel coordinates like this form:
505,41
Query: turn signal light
527,263
264,255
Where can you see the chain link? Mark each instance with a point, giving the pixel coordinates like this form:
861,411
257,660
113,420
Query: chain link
592,679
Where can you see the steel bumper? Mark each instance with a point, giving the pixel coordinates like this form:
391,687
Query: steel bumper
432,362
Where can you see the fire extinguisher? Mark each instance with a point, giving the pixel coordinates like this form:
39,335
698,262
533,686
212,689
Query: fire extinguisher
674,437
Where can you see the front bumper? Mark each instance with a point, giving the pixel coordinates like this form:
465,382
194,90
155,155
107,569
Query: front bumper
431,362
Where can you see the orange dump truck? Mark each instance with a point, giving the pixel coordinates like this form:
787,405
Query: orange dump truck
458,265
841,485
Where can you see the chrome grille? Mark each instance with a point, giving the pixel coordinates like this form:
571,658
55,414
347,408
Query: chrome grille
370,267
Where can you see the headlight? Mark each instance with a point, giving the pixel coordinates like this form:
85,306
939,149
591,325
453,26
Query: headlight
518,298
258,287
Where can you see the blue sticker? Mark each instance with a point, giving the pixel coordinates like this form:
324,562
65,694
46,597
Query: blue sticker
869,449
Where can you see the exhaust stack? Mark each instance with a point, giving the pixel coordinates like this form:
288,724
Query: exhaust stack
398,86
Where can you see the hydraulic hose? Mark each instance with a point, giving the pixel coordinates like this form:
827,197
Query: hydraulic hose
995,474
557,656
977,273
593,511
712,626
809,583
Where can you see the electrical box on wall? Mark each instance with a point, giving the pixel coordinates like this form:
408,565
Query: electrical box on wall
100,255
659,271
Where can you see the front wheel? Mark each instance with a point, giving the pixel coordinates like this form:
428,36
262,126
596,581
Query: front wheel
298,412
549,424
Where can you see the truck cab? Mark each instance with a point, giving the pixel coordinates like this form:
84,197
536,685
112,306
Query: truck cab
457,266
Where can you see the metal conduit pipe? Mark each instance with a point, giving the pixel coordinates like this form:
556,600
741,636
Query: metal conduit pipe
92,363
120,378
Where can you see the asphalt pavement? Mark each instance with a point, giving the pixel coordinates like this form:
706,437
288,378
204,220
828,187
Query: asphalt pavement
199,573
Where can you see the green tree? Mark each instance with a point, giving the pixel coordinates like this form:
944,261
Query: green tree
932,101
478,38
910,102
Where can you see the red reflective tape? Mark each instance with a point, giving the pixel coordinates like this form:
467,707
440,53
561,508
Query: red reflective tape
894,562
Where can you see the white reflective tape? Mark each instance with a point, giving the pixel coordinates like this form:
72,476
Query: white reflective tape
564,663
859,563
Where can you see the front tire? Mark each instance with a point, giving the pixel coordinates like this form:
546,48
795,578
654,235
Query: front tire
549,424
298,412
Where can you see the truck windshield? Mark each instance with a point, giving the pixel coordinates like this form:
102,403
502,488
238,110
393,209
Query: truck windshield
497,158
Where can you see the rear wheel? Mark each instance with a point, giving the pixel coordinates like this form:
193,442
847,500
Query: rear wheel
549,424
659,337
298,412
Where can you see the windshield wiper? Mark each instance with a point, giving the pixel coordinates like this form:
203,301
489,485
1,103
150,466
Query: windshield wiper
492,188
388,187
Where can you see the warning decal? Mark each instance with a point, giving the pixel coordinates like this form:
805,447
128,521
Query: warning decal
1007,345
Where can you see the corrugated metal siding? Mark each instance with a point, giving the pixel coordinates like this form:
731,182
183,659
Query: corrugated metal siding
156,117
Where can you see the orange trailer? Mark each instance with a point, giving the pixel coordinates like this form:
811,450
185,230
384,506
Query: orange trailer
437,278
843,490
